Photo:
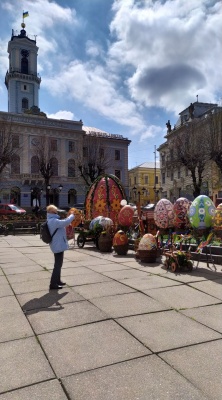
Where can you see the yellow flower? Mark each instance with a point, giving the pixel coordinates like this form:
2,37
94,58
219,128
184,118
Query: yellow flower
115,205
100,205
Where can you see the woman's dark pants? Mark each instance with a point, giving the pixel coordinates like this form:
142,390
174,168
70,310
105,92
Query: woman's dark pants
56,273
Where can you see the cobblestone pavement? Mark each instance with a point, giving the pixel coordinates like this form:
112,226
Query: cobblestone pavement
119,330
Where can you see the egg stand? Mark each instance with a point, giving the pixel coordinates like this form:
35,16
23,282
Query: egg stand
205,243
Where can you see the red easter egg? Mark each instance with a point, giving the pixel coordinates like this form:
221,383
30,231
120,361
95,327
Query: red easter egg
125,216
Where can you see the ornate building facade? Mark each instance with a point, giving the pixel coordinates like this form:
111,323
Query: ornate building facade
28,130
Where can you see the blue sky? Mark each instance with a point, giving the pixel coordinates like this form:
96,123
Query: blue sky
123,66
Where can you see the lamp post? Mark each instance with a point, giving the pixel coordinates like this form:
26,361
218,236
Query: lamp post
138,193
55,191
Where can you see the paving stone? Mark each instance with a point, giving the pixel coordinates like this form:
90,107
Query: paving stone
22,363
180,297
126,274
214,288
146,378
102,289
29,276
75,271
149,282
13,324
127,304
167,330
209,316
85,279
107,267
201,365
31,286
3,280
89,346
5,290
41,391
68,315
22,269
43,299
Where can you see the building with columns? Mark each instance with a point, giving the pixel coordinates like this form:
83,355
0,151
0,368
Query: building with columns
29,132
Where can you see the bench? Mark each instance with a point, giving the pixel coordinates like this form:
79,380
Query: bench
25,227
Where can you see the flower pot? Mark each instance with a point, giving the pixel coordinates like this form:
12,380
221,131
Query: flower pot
121,249
105,242
147,255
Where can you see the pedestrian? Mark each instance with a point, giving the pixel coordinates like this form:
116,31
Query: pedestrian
58,244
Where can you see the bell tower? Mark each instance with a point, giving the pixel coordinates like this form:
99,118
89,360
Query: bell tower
21,79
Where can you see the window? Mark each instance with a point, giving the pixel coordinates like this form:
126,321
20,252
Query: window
25,88
117,173
117,154
134,180
24,65
163,160
156,180
71,168
146,180
101,152
171,176
178,173
171,154
25,103
15,141
163,178
71,146
34,165
85,151
54,163
15,164
53,145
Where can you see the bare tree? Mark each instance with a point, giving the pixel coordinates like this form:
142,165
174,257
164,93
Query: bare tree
9,144
44,157
190,148
214,130
94,160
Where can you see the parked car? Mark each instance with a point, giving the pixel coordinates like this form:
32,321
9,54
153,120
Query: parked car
11,209
42,212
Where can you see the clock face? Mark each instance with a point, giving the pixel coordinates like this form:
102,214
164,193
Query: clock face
25,53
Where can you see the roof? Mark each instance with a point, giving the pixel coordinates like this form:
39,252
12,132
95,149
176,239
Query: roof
147,165
100,133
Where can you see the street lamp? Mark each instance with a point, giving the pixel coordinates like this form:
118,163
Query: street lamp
156,191
135,192
60,187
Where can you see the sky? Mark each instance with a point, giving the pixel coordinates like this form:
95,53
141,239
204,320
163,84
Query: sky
123,66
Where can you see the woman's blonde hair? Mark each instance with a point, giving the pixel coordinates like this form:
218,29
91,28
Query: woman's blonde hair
52,209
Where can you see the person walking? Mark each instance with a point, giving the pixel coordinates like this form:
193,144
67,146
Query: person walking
58,244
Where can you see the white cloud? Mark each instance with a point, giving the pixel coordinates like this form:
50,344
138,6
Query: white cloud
174,48
62,114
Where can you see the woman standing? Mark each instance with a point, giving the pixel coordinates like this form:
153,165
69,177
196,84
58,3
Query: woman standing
58,244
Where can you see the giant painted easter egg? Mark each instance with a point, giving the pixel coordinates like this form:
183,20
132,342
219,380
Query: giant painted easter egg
104,222
148,242
104,198
120,238
217,221
201,212
164,214
125,216
180,208
78,217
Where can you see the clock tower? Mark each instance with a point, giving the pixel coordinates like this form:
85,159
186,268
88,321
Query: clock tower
22,80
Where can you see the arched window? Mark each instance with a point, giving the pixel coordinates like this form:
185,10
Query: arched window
25,103
54,163
71,168
24,65
72,197
34,165
15,164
